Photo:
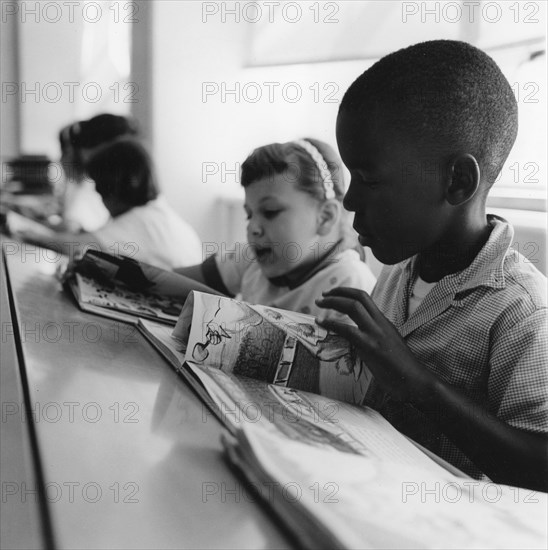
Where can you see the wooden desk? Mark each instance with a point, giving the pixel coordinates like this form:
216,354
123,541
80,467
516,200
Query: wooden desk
130,457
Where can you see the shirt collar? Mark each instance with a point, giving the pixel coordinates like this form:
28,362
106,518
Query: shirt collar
487,268
300,275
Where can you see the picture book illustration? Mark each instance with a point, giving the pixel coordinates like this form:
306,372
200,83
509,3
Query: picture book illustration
123,288
120,298
280,347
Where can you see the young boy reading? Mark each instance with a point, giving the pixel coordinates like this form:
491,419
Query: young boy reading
455,330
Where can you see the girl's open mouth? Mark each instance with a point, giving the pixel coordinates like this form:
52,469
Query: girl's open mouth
264,254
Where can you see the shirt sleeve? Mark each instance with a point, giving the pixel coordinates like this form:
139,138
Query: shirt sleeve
518,380
352,272
212,276
230,268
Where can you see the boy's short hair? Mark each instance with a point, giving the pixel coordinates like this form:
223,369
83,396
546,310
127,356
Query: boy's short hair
442,93
123,169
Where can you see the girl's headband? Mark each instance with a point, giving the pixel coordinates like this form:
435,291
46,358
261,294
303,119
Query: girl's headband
319,160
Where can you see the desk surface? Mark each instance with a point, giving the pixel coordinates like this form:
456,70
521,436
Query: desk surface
20,524
131,458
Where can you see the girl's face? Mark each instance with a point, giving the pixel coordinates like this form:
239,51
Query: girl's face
282,224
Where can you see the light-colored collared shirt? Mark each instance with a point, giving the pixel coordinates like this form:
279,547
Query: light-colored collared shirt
482,330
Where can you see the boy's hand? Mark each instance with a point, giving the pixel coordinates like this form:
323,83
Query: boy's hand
378,343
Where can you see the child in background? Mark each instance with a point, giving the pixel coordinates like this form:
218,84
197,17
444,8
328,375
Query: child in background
83,209
143,225
299,241
455,330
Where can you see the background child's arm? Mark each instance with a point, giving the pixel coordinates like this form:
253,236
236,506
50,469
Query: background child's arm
176,285
193,271
70,244
137,275
208,273
506,454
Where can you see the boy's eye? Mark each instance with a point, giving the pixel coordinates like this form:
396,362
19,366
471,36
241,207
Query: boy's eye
367,182
362,179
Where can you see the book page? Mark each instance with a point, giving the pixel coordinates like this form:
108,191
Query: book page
118,315
161,336
368,503
309,418
281,347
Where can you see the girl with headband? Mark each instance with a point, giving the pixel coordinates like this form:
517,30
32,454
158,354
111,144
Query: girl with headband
299,240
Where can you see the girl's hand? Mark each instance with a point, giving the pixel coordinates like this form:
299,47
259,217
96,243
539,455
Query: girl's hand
378,343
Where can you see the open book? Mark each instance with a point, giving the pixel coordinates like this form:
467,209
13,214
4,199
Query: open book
278,369
337,474
121,288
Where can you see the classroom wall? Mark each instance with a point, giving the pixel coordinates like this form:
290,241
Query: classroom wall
66,67
44,94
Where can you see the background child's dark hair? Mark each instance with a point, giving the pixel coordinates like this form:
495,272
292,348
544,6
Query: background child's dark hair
101,129
444,94
123,169
302,170
88,134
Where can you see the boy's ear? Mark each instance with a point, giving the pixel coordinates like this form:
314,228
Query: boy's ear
328,216
464,179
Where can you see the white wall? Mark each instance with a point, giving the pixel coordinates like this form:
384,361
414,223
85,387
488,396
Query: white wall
49,54
57,83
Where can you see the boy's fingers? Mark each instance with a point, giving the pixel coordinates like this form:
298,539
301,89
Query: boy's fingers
355,294
346,292
351,333
351,307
